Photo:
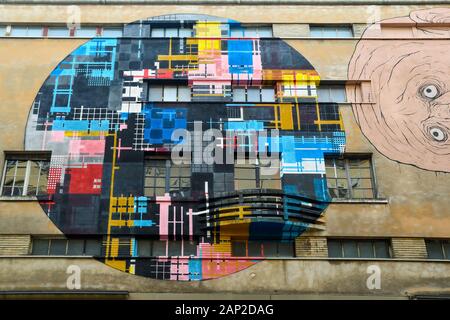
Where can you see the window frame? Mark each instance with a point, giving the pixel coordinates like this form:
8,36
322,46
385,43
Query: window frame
314,29
328,89
260,94
349,156
49,241
167,175
442,243
177,92
29,157
357,242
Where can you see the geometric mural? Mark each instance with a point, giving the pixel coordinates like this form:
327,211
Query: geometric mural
110,113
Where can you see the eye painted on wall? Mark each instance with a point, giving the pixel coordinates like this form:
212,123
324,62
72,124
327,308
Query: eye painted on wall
429,91
438,134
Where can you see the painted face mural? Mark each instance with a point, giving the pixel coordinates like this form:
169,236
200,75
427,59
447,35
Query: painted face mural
405,110
110,112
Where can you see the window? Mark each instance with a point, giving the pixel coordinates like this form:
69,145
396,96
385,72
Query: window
332,93
25,174
361,248
331,31
251,31
86,32
2,31
169,93
26,31
351,177
66,247
152,248
254,94
262,249
161,176
58,32
172,32
251,176
438,249
112,32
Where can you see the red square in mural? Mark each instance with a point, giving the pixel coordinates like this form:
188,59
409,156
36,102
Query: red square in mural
87,180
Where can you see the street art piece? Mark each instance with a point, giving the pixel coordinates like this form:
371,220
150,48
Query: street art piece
399,86
110,112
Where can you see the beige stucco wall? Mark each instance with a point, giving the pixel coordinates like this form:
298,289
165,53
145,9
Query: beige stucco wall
275,277
417,200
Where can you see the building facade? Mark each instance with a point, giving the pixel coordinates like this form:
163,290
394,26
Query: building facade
221,149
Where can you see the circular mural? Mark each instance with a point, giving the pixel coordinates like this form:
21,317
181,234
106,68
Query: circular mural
240,108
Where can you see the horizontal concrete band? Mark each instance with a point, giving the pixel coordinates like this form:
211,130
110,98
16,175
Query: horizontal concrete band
230,2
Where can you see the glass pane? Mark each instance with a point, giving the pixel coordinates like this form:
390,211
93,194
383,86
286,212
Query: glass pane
338,94
267,94
160,191
245,173
185,33
43,178
342,188
345,32
270,249
157,32
265,32
40,247
112,32
434,249
382,249
18,31
350,249
334,249
329,32
190,248
253,95
58,32
155,93
87,32
184,93
245,184
323,94
93,247
285,249
2,31
238,249
271,183
362,194
75,247
159,248
237,32
446,246
35,31
239,94
359,163
144,248
174,248
366,249
171,32
254,249
250,32
58,247
315,32
170,93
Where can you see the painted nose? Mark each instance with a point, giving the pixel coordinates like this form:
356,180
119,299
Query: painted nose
440,107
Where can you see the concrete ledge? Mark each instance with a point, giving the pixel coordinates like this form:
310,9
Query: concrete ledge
18,198
361,201
74,294
229,2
